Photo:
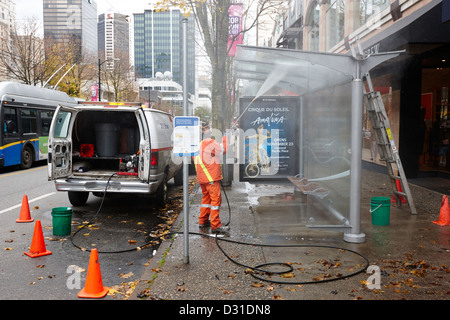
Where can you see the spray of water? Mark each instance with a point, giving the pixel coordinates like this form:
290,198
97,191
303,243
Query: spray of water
277,74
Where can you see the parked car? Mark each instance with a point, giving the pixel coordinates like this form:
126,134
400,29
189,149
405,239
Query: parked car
117,148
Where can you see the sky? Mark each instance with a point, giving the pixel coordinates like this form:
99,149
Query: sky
33,8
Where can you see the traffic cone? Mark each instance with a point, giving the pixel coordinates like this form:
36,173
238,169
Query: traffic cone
37,248
444,214
94,285
25,211
399,188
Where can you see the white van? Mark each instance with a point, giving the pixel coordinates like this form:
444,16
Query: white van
122,147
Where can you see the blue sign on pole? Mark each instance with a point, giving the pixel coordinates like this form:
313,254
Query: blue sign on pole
186,136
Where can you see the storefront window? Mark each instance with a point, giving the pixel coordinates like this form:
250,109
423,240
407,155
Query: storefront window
366,9
313,28
335,18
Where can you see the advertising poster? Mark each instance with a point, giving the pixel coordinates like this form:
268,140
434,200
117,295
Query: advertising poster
269,138
235,36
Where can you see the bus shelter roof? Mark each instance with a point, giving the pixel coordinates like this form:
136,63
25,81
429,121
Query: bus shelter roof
299,71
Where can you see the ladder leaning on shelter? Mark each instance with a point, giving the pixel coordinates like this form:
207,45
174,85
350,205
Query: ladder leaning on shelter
383,135
386,145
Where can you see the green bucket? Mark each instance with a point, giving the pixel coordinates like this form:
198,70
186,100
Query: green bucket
380,210
62,221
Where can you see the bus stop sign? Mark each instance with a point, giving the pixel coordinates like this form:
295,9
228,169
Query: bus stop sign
186,135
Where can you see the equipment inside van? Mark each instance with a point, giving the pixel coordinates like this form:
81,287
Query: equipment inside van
118,148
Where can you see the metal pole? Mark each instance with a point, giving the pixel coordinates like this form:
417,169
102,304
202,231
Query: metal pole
301,140
185,158
99,84
356,159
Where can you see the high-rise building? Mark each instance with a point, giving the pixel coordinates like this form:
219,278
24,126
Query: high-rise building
72,19
158,45
7,26
7,18
113,37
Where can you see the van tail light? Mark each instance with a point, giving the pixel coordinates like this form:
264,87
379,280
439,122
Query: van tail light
154,160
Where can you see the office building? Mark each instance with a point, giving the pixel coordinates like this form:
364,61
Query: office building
7,25
158,45
113,37
72,19
7,18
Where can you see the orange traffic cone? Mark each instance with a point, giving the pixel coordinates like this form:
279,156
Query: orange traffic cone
399,188
94,285
25,211
37,248
444,214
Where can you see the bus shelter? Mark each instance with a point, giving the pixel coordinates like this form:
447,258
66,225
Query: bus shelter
328,136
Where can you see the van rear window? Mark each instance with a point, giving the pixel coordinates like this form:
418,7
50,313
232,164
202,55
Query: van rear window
62,124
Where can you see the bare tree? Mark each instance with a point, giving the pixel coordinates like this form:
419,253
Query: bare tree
213,20
22,56
117,76
74,66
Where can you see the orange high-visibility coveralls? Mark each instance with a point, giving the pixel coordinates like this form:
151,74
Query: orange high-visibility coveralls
209,175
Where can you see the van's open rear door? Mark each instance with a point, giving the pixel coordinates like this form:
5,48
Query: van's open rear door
60,143
144,147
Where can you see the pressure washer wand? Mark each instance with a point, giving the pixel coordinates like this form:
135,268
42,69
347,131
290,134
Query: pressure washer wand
246,109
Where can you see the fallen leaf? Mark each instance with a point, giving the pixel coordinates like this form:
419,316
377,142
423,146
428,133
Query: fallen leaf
287,275
126,275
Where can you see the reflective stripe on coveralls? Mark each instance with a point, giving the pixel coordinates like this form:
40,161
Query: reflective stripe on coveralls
198,160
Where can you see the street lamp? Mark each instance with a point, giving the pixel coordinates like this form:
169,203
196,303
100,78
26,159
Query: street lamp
99,80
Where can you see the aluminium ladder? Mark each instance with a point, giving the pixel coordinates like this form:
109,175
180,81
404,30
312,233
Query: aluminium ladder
386,145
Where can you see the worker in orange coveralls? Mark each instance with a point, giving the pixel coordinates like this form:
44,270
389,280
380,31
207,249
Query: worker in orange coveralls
209,175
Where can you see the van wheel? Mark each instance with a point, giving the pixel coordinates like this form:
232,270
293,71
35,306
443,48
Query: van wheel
178,178
78,198
27,158
161,193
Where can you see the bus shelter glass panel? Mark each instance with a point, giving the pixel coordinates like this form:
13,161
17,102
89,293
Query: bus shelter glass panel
326,127
323,120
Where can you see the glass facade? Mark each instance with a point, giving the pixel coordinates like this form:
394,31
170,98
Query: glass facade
334,22
72,19
158,45
312,27
365,10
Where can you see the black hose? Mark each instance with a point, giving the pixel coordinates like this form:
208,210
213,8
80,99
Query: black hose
257,268
93,220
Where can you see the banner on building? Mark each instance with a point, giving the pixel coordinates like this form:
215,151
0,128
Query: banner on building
94,92
270,138
235,36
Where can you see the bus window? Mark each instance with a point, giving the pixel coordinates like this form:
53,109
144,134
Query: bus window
29,120
10,121
46,120
62,124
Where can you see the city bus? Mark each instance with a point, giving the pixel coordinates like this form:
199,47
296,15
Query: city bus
25,115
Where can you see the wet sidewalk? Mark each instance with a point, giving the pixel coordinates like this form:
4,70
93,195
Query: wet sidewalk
409,255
